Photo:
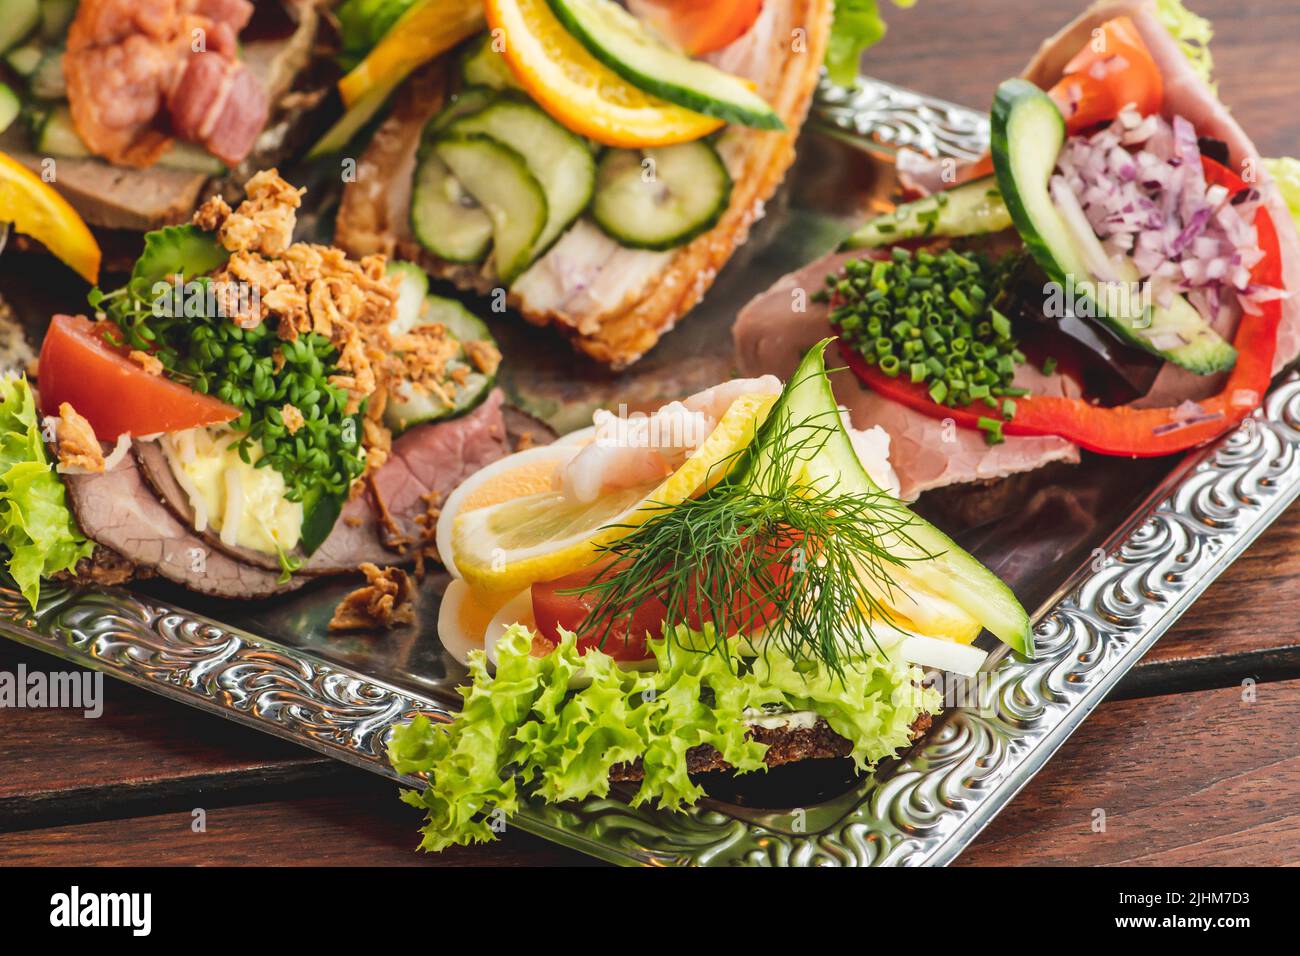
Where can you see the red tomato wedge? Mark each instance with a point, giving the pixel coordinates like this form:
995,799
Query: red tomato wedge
113,393
624,639
699,26
1113,70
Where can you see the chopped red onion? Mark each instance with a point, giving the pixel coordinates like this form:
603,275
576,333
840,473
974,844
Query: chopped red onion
1140,185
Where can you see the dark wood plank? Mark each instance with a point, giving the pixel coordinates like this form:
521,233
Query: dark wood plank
961,51
1220,790
366,826
141,752
1196,779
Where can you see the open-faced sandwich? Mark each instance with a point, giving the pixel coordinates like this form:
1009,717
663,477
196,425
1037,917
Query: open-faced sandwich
599,163
136,111
729,583
1117,276
246,412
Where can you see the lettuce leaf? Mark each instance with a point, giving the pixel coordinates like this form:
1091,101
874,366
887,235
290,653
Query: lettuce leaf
857,25
35,523
524,732
363,23
1286,173
1193,34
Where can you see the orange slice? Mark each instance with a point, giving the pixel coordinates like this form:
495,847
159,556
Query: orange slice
579,91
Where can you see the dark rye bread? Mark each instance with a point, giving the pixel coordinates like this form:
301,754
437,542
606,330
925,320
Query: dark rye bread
784,745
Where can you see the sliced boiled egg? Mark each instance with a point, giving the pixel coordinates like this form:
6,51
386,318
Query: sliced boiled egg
464,618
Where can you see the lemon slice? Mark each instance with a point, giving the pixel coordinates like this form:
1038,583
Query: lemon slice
515,476
579,91
36,210
544,536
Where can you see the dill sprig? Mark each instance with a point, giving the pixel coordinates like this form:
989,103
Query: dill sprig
767,548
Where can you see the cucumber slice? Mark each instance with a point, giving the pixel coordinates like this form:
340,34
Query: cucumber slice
337,137
446,219
58,137
56,17
407,407
662,197
18,18
484,66
1028,133
971,209
933,561
467,102
23,60
46,82
10,107
460,321
624,44
559,160
498,177
413,286
192,158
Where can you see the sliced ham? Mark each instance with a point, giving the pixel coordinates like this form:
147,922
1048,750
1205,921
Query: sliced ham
771,336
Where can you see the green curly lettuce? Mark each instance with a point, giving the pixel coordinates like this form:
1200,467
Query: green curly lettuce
35,524
1286,174
524,732
1193,33
856,26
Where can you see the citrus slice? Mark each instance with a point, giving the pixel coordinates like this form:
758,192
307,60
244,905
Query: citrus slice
544,536
36,210
579,91
515,476
428,28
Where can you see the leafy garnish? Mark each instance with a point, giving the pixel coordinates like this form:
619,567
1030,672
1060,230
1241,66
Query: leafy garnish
524,733
764,549
857,25
1286,174
363,23
1193,33
251,369
35,523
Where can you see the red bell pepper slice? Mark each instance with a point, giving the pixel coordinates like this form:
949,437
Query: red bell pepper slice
1123,430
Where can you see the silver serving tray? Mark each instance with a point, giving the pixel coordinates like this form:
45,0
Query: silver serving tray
1110,553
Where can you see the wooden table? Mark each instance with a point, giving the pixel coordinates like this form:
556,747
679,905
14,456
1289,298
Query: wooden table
1195,759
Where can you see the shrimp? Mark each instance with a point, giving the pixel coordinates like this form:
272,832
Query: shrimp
636,450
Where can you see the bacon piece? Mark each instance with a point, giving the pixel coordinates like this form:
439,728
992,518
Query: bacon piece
219,103
142,71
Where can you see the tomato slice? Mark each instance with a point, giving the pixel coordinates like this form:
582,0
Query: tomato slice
748,610
699,26
1112,70
114,394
